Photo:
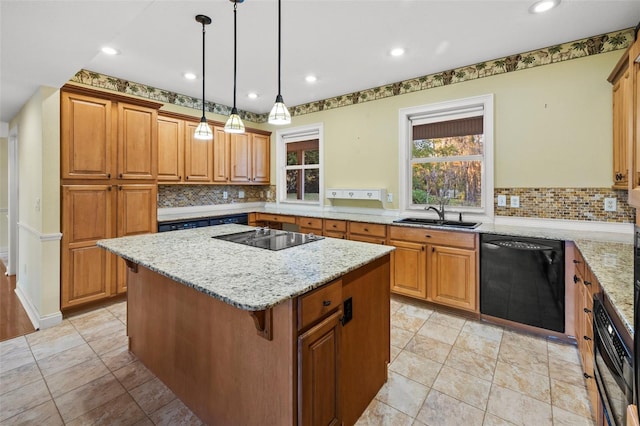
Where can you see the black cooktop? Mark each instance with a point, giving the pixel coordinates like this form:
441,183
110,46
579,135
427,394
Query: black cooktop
270,239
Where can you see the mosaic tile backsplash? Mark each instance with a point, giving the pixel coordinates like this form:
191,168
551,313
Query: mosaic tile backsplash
206,195
566,203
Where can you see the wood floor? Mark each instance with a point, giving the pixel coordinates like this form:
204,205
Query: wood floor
13,318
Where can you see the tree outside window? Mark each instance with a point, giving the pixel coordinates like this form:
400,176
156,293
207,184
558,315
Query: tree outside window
303,170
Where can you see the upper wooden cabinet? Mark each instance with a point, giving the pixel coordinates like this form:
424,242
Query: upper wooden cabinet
242,159
634,145
170,149
198,156
106,136
620,78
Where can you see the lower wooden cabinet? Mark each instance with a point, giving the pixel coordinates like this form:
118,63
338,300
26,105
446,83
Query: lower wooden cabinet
91,213
319,373
434,265
308,225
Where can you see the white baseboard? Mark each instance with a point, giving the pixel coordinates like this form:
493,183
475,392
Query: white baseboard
39,322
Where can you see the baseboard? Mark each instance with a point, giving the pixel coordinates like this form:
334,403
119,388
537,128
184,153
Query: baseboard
39,322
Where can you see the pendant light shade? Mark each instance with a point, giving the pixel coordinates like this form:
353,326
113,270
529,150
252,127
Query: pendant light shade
203,131
234,124
279,113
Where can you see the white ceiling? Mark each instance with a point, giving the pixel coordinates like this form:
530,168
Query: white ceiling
345,43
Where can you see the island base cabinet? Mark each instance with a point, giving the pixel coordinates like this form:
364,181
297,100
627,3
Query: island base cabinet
319,373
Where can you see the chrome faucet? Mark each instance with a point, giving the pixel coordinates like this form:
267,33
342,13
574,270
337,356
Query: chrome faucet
435,209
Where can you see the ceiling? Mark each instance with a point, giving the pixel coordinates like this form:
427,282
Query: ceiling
345,43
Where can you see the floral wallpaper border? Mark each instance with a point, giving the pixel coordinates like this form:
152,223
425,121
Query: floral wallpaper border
594,45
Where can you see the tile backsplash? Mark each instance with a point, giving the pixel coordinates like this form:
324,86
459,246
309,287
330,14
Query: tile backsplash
566,203
205,195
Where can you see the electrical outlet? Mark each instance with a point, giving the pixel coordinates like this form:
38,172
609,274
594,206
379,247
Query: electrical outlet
389,198
225,195
241,194
502,200
610,204
515,201
268,194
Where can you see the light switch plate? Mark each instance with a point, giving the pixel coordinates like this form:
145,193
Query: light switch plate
389,197
502,200
225,195
610,204
515,201
241,194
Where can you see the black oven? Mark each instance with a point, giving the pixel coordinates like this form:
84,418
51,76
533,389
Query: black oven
613,367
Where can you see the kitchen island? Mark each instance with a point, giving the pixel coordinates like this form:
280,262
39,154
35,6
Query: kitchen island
249,336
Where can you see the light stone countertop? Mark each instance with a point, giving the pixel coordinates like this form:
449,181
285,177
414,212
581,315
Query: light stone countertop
609,254
246,277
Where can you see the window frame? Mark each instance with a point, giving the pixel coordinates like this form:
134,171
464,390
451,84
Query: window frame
443,111
291,135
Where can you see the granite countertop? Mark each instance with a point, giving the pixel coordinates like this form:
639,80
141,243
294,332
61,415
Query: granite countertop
246,277
609,254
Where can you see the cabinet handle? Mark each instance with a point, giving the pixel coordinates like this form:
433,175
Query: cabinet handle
366,229
308,223
326,302
586,337
587,310
120,176
179,177
119,187
334,225
576,261
433,249
586,282
187,178
423,248
428,236
586,376
576,279
108,175
109,189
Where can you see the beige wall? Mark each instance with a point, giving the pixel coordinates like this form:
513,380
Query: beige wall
38,271
4,194
552,128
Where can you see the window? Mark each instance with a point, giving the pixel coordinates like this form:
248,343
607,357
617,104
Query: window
446,152
300,165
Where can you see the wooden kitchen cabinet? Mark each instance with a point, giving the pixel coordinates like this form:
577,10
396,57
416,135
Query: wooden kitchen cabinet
335,228
92,213
374,233
221,155
249,158
107,137
198,156
308,225
620,78
437,266
634,145
170,149
274,221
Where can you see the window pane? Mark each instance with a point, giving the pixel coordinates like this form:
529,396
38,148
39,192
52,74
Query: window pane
311,185
457,183
307,150
312,156
448,147
294,191
292,158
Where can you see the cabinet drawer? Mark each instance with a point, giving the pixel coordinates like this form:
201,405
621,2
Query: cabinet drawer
275,218
310,222
313,306
370,229
431,236
335,225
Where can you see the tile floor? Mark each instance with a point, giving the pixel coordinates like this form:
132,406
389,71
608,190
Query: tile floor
445,370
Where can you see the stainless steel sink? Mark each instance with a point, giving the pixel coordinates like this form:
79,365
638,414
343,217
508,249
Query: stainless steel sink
437,222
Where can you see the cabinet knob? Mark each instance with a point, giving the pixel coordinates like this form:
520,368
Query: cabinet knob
586,337
109,189
586,282
427,236
576,261
586,376
366,229
187,177
108,175
179,177
120,176
326,302
119,187
587,310
576,279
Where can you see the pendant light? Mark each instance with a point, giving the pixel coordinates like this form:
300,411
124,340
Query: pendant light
279,113
203,131
234,124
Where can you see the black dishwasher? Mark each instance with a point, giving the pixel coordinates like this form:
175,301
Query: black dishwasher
522,280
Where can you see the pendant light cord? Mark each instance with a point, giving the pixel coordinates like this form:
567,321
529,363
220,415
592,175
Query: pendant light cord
235,51
279,44
203,74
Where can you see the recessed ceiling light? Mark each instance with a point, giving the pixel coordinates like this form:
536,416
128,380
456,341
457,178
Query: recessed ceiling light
311,78
189,76
110,50
398,51
252,95
543,6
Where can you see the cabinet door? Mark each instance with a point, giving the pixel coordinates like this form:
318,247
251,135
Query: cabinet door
634,145
261,158
137,214
221,146
240,151
137,142
453,278
621,130
87,270
319,372
87,151
408,264
170,149
198,156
